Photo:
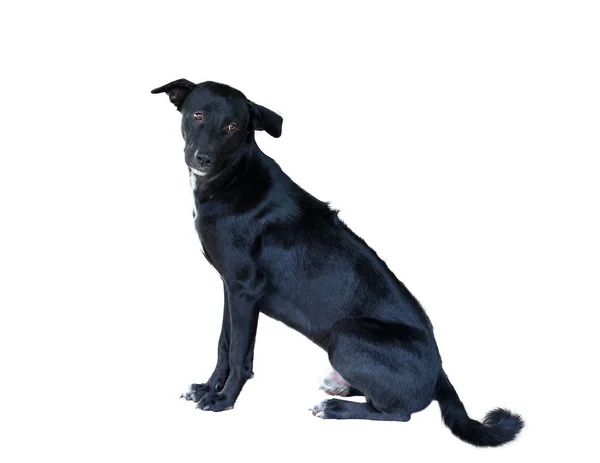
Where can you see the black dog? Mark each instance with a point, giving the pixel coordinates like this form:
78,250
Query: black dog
282,252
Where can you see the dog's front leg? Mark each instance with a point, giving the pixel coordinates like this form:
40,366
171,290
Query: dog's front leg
243,311
217,380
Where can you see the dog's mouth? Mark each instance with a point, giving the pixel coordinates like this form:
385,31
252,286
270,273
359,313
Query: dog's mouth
199,172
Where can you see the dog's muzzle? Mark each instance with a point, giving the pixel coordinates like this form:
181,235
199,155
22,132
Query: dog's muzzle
201,163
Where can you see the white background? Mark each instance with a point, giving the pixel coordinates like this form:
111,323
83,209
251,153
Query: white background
459,139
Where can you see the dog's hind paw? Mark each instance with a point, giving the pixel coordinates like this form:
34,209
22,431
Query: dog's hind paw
334,384
319,409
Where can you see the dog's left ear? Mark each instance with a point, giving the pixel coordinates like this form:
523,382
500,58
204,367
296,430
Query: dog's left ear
262,118
178,90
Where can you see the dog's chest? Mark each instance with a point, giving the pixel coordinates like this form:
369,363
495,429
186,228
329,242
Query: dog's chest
207,218
201,224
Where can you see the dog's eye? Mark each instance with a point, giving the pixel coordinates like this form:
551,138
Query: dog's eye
198,116
232,127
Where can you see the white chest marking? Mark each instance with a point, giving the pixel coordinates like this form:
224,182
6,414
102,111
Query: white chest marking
194,187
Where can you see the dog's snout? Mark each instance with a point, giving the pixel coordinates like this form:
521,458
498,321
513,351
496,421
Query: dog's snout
203,159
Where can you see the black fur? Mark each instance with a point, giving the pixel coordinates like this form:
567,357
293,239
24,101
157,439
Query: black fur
284,253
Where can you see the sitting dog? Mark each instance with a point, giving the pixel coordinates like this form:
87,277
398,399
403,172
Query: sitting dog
282,252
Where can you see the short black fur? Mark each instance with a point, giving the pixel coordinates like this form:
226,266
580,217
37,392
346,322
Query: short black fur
284,253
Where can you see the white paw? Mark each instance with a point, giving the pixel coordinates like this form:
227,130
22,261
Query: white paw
319,409
334,384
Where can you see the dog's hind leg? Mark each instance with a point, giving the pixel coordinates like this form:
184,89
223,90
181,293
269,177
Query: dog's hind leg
394,365
337,409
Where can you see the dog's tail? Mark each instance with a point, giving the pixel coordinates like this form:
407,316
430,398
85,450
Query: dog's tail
499,426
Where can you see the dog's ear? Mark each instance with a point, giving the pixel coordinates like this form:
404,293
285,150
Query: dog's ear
177,90
262,118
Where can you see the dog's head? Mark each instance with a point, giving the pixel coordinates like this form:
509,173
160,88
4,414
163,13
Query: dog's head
216,121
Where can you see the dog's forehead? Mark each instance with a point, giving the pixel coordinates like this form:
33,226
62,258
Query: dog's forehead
215,95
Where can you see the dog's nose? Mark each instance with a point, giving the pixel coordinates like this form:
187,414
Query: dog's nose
203,159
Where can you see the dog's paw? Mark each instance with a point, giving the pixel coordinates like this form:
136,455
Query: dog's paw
319,410
331,388
334,384
215,402
197,391
332,409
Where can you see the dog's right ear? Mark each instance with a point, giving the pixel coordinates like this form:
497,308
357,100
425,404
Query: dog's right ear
178,90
